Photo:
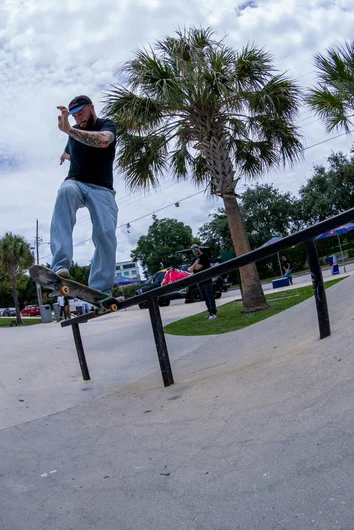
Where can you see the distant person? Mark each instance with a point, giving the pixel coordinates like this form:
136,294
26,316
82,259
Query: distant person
287,267
79,306
201,263
67,308
61,307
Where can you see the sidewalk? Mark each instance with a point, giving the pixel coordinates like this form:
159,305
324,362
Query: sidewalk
256,434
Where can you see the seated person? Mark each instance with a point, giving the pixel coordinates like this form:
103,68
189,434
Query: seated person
287,268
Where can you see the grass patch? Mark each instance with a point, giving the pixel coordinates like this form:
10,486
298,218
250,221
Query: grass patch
230,317
5,322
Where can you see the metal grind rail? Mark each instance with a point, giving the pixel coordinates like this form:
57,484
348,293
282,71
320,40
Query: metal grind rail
305,236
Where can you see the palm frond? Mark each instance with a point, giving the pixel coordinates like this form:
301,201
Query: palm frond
278,97
132,112
201,172
181,160
253,67
337,65
252,158
218,81
185,165
278,131
331,108
289,143
278,143
237,127
202,38
333,98
142,159
149,73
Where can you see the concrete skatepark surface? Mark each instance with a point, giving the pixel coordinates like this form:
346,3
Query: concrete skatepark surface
255,434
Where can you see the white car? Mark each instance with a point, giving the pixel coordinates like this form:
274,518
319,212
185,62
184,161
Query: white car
2,309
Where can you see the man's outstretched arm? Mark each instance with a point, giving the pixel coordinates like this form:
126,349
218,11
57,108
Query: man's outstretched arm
100,139
92,138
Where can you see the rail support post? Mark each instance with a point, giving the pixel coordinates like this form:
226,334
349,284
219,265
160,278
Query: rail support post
318,288
80,352
160,341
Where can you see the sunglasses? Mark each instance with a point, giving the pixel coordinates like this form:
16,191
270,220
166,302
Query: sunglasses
195,249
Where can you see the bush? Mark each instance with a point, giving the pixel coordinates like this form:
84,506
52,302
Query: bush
128,292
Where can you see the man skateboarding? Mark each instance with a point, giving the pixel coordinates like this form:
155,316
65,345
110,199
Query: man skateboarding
91,150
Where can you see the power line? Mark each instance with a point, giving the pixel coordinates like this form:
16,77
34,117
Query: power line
139,218
148,214
198,193
307,73
328,140
136,199
128,200
142,196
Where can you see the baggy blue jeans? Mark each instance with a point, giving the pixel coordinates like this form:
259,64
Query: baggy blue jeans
103,209
288,274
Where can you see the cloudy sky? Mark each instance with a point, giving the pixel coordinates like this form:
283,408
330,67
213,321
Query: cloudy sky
51,51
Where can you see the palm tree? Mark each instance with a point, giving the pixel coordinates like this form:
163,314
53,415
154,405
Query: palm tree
333,98
210,114
15,256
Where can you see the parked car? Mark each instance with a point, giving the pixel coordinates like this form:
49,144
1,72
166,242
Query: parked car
222,281
2,309
190,294
9,312
30,311
152,283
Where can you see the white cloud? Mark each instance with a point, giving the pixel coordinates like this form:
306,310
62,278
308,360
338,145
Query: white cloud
51,51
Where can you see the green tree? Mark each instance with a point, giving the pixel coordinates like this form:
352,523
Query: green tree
268,212
15,257
216,232
333,97
5,291
329,191
27,291
80,273
164,238
211,114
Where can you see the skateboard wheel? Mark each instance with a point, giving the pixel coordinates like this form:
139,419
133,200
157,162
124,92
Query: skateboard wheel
113,307
64,290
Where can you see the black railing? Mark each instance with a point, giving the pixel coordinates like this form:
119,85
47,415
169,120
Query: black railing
305,236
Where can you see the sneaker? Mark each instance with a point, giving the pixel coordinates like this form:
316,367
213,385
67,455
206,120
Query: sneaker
63,273
212,317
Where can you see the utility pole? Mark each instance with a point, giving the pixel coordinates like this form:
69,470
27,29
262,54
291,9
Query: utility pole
37,241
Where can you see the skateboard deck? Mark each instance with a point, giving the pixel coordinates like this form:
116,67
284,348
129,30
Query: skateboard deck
65,287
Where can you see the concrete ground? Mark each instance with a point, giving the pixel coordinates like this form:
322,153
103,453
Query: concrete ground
255,434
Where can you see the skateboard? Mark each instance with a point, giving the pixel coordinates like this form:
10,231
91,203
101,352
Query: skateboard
65,287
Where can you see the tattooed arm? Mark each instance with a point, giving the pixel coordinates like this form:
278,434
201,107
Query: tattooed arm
92,138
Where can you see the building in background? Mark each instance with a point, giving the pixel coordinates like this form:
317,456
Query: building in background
128,269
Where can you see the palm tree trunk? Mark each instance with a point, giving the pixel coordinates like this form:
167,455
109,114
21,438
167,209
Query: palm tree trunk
252,292
222,173
16,302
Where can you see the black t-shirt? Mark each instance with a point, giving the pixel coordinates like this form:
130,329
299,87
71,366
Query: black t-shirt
203,260
93,165
286,264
